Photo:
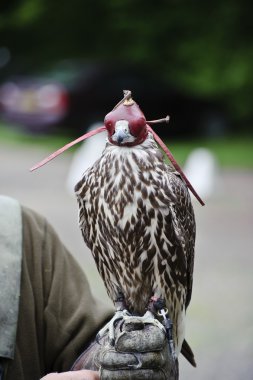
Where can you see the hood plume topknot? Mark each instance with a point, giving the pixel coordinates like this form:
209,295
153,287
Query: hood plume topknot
126,109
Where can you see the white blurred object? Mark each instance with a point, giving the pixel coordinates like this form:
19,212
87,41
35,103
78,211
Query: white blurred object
90,150
201,168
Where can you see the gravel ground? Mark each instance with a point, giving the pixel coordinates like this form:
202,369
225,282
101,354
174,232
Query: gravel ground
220,317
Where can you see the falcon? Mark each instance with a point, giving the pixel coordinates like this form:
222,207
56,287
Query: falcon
136,217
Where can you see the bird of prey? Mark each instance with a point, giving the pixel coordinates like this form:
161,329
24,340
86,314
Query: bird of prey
136,217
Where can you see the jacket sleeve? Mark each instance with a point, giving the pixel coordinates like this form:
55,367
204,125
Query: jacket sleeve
58,315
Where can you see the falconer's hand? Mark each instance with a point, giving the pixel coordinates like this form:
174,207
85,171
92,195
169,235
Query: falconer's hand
141,351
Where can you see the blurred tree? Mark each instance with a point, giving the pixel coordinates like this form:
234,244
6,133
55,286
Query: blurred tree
204,48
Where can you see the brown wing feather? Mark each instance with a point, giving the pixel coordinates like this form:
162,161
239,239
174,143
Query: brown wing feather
184,224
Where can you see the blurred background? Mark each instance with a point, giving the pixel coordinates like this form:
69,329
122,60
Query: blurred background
63,66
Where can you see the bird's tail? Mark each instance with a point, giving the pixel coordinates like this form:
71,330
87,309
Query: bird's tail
186,351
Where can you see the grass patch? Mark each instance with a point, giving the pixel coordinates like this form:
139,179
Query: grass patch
13,135
231,152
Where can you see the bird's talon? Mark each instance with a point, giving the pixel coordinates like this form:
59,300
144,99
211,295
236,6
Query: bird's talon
112,342
139,363
110,326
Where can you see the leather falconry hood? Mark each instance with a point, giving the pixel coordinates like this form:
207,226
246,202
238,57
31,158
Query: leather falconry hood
127,109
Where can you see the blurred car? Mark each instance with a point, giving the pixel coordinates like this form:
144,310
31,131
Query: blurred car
72,95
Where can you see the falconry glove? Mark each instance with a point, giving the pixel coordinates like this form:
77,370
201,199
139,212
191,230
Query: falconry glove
140,351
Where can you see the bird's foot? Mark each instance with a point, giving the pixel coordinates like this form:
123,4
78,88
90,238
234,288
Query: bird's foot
110,326
147,318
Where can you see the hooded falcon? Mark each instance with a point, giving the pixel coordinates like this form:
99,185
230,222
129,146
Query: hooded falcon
136,217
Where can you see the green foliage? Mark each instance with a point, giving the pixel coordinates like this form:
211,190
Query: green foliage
204,48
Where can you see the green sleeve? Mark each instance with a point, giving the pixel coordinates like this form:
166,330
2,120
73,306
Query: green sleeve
58,314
